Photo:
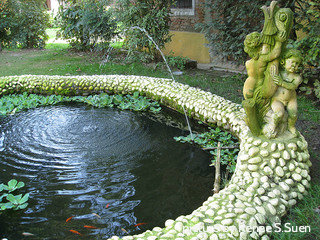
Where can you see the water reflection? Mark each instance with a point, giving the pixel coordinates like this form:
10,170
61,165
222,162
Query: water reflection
76,160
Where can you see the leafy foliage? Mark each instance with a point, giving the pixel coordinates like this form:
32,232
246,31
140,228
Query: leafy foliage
153,16
229,23
210,139
23,24
310,46
87,23
14,202
11,104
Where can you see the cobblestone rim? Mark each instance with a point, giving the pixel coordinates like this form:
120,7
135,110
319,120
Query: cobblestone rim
270,176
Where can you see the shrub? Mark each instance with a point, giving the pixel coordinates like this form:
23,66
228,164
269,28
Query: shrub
229,23
87,23
310,46
23,24
152,15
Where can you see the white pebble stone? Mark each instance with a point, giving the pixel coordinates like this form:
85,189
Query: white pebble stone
281,146
202,236
210,212
230,215
227,222
198,227
279,171
253,167
257,142
301,188
274,201
261,210
265,144
296,177
250,210
178,226
293,154
157,229
253,151
261,191
238,210
243,157
169,223
276,155
214,236
264,153
273,163
271,209
284,186
289,181
286,155
292,202
255,160
208,220
298,170
268,170
282,162
273,147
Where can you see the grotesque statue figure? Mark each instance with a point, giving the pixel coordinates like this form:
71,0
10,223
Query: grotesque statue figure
270,98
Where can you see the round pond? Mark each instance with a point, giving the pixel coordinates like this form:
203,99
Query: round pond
105,168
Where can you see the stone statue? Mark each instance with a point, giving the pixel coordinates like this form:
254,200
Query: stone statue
270,98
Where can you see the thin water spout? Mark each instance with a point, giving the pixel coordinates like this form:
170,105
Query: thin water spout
168,67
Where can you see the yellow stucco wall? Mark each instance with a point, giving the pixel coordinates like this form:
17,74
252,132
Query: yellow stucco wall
188,44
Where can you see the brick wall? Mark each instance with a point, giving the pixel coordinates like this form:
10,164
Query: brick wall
187,22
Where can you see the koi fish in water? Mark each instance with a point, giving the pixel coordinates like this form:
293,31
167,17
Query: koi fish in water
139,224
107,205
75,232
90,227
68,219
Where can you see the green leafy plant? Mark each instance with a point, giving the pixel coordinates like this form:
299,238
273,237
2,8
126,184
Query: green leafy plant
310,46
177,62
210,139
88,24
23,24
228,22
153,16
11,104
14,202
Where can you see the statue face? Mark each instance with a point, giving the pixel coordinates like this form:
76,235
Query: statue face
292,64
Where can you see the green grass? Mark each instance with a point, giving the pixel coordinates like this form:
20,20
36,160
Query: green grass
303,214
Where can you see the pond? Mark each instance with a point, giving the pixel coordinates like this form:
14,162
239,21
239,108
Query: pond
106,168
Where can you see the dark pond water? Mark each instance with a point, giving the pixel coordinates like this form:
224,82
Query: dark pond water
75,160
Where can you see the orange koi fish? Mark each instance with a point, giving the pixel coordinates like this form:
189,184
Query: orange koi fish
75,232
68,219
90,227
139,224
107,205
124,230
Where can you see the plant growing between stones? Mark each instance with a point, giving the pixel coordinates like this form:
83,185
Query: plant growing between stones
10,201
